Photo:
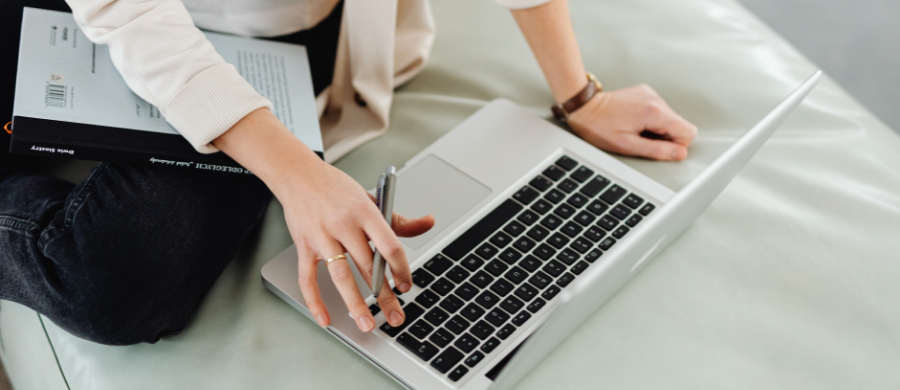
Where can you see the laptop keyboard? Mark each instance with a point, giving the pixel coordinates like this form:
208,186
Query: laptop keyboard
491,280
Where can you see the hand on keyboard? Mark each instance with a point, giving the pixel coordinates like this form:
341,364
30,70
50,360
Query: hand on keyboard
621,121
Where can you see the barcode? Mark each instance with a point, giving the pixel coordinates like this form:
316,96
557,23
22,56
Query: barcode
55,96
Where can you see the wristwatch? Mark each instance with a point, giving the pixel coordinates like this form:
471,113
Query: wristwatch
562,111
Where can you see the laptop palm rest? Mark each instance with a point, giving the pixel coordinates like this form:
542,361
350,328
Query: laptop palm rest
433,186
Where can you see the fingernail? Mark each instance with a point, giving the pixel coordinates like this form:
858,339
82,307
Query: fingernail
675,154
405,287
396,318
321,320
365,323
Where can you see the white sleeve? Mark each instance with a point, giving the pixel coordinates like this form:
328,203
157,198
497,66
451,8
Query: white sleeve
521,4
168,61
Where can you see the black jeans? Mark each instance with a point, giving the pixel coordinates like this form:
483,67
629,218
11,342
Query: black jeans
126,255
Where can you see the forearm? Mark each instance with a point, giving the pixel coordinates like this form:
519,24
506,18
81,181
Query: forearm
548,30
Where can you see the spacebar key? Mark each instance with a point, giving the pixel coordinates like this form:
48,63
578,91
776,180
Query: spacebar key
482,230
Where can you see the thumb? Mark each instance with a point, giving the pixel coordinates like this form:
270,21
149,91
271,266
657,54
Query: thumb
635,145
410,227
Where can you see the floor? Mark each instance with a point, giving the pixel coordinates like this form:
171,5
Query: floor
853,41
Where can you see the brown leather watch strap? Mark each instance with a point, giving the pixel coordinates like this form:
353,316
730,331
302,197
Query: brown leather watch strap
562,111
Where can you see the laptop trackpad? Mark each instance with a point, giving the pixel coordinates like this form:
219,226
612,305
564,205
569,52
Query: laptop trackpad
434,187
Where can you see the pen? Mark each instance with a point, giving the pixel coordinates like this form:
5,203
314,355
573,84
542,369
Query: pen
385,196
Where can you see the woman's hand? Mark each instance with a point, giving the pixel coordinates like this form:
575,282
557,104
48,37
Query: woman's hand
614,121
328,214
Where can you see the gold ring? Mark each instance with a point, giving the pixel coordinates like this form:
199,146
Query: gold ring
333,258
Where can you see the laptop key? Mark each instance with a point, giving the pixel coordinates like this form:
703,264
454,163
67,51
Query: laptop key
420,329
437,316
502,287
472,312
593,255
374,309
482,279
466,291
564,280
597,207
541,183
482,330
585,218
567,256
613,194
558,240
607,243
571,229
554,173
458,274
438,264
542,207
446,360
496,317
555,196
551,292
528,217
526,195
514,229
423,349
521,318
474,359
538,233
413,312
525,292
540,280
422,278
496,268
451,304
580,267
567,186
647,209
544,251
500,240
550,222
577,200
581,245
620,212
472,262
593,233
443,286
441,338
506,331
564,211
633,201
482,229
554,268
510,256
466,343
487,299
594,186
536,305
457,325
581,174
633,220
486,251
530,263
511,304
427,298
567,163
607,223
515,275
620,232
458,373
490,345
524,244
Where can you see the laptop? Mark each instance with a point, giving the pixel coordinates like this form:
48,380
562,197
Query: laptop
535,230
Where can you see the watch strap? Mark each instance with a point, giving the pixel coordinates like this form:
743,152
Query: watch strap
562,111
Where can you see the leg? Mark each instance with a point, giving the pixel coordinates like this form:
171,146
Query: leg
126,255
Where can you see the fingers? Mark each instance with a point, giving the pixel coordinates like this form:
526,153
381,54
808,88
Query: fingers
362,255
342,276
307,270
409,227
390,248
635,145
663,121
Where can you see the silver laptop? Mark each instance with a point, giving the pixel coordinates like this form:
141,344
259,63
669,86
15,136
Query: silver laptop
535,230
